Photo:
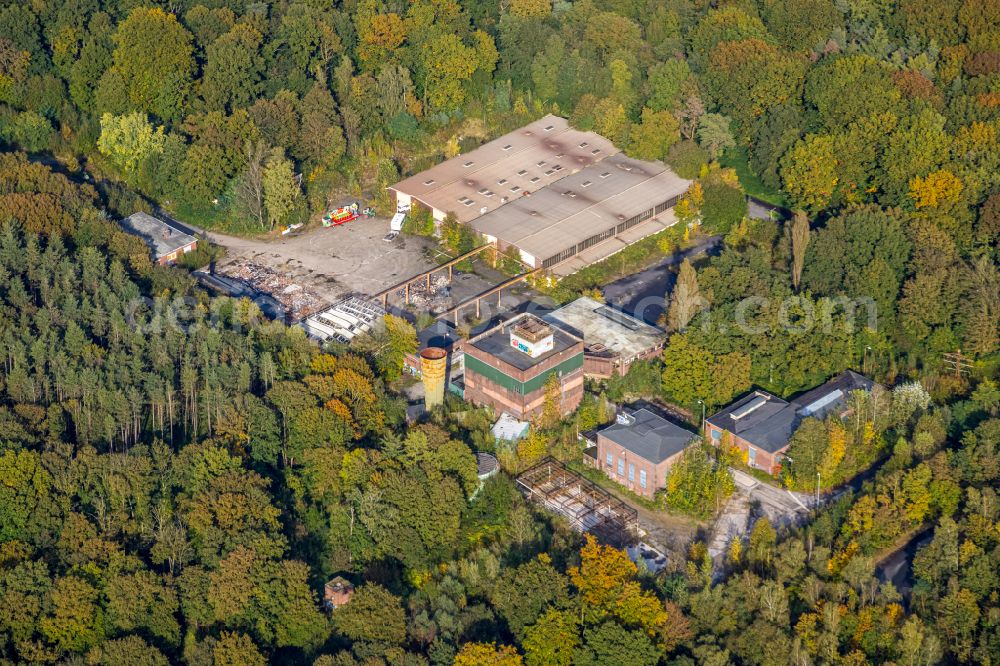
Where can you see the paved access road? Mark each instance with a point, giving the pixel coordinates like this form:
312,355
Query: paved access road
641,294
782,507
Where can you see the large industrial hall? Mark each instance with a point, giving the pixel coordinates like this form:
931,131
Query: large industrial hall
563,198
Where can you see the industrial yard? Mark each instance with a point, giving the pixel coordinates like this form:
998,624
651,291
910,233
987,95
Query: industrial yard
311,269
333,262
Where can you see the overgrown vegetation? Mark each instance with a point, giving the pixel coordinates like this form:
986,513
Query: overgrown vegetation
179,479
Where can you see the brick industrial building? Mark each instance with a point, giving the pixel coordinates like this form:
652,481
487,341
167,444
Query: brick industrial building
639,449
760,424
562,198
508,366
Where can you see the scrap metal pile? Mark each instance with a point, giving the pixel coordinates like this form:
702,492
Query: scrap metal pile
436,299
297,301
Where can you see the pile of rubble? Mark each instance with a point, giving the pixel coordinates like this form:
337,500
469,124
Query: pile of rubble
297,301
435,299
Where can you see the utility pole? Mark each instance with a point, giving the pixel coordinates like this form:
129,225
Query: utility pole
702,403
817,489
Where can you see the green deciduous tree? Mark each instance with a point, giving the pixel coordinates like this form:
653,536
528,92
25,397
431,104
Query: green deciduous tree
696,484
233,75
153,61
129,140
281,191
653,136
374,614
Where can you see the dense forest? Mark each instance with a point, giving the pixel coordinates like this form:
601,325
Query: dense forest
179,477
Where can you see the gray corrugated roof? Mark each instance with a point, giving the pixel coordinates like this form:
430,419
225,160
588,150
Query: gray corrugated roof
549,141
582,205
161,238
650,436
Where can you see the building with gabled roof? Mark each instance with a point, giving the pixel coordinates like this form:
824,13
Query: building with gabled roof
638,450
761,424
516,164
561,197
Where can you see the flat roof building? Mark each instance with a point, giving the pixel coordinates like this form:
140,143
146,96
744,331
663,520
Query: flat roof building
612,339
165,242
507,367
639,449
509,167
562,197
588,215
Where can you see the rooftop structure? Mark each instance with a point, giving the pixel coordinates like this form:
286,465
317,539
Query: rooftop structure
165,242
832,396
508,367
612,339
499,342
344,320
337,592
761,424
650,436
587,506
619,197
486,465
505,169
509,429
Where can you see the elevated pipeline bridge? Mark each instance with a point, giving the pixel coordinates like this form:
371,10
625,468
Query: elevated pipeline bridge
425,277
478,298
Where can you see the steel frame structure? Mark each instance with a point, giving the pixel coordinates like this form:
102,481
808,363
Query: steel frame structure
587,506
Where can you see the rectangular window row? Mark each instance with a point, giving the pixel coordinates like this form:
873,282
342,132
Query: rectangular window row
604,235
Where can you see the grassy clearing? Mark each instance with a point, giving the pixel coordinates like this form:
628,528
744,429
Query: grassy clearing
736,158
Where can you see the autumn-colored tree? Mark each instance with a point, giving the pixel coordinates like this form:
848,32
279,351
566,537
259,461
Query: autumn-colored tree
530,8
606,586
727,24
532,447
809,171
487,654
686,300
380,35
552,405
129,140
936,190
446,64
